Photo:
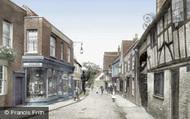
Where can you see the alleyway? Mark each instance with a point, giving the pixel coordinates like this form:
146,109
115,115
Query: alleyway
94,106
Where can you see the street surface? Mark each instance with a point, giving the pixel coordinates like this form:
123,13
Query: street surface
94,106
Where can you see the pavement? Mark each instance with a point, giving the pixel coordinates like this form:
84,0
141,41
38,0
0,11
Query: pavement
131,110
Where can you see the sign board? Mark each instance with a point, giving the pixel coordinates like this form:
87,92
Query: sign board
32,64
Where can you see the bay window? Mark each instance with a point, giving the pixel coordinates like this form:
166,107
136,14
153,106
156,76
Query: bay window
7,34
32,41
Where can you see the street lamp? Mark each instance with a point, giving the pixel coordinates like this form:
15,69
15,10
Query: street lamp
81,49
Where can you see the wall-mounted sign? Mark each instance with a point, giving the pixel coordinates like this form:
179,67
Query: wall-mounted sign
32,64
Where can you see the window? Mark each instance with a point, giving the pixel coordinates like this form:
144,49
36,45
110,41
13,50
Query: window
129,64
68,54
52,46
60,84
133,87
32,41
133,62
159,84
177,11
62,51
153,35
3,80
188,8
50,83
7,34
36,83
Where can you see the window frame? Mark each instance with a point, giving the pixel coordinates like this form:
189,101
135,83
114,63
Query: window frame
4,80
62,51
33,44
52,46
68,54
11,34
159,84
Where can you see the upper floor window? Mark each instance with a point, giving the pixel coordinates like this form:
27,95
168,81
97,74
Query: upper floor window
62,47
32,41
7,34
68,54
52,46
177,11
159,84
153,36
129,60
133,62
3,80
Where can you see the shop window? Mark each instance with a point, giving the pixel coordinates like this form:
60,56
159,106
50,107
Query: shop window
65,83
55,74
159,84
50,83
69,54
7,34
52,46
36,83
62,49
3,80
153,36
60,84
177,11
32,41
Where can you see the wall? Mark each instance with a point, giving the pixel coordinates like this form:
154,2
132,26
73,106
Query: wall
15,15
184,93
160,107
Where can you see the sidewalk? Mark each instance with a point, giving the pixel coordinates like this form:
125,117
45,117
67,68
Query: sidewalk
131,110
68,102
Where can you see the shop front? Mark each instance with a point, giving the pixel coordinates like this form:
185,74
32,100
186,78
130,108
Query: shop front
47,80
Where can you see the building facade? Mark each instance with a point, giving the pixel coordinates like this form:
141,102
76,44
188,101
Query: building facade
77,75
131,82
11,51
164,61
47,61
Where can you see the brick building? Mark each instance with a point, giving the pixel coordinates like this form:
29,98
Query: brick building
11,72
164,65
47,61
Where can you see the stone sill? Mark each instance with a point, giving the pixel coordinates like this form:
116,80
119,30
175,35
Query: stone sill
159,97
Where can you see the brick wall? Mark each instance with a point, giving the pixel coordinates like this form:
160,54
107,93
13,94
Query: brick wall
15,15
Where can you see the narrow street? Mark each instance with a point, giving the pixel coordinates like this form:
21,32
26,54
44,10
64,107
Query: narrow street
94,106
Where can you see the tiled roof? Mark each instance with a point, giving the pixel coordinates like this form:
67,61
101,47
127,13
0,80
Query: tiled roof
108,59
126,44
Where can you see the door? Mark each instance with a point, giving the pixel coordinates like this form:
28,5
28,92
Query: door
18,91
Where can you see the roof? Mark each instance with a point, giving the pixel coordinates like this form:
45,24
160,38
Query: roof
77,62
132,46
126,44
29,11
109,57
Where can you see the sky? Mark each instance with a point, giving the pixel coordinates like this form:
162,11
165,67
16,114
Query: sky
100,24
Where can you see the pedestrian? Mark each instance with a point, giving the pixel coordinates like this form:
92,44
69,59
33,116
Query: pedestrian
111,90
76,94
92,87
102,90
97,90
113,96
83,79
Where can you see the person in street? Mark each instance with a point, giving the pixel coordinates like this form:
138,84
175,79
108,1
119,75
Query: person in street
83,79
113,96
92,87
76,94
111,90
102,90
97,90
